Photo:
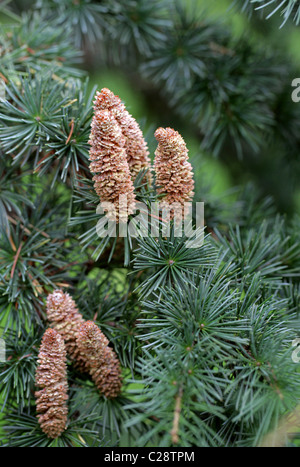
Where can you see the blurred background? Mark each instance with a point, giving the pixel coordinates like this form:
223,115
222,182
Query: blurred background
219,72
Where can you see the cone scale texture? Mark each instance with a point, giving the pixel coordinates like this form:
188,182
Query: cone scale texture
64,317
174,175
112,179
135,145
104,366
51,378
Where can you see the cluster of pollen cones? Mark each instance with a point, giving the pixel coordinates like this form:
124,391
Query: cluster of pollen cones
118,152
87,347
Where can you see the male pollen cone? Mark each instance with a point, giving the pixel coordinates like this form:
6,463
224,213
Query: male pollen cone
51,378
112,179
104,366
64,317
135,145
174,174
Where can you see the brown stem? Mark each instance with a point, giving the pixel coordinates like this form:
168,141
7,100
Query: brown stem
15,261
71,131
177,411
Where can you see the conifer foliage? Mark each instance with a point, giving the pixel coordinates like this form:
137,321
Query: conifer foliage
138,338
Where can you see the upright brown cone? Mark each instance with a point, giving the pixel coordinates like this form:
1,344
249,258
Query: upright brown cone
51,377
104,366
135,144
112,178
64,317
174,175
